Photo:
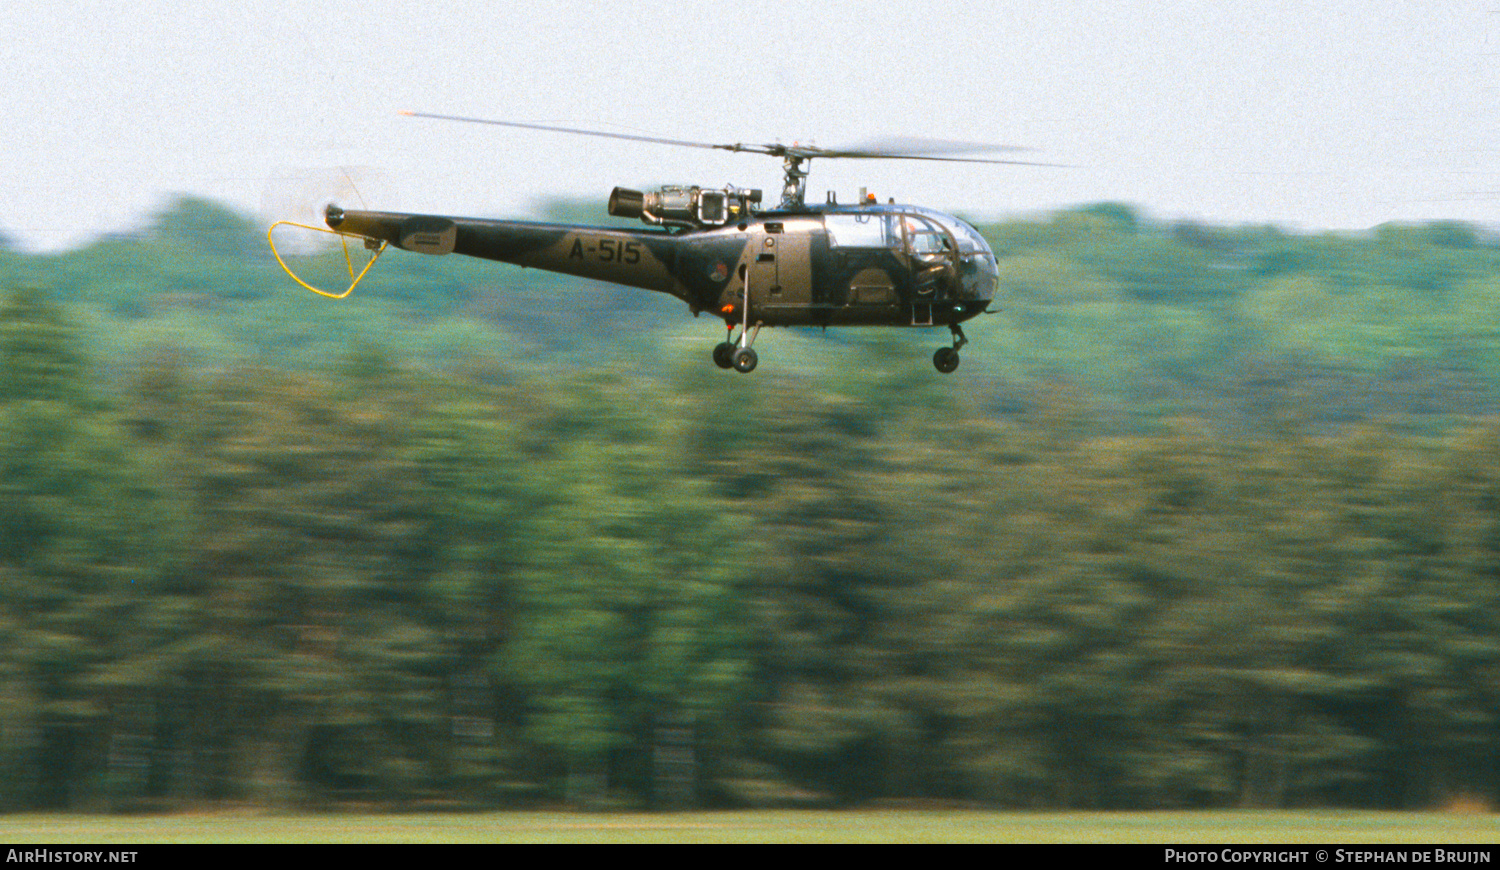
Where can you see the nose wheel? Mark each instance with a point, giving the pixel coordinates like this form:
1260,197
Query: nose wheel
946,359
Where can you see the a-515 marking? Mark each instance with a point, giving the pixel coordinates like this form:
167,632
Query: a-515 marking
608,251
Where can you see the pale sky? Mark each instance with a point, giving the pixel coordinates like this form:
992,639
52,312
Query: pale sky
1329,115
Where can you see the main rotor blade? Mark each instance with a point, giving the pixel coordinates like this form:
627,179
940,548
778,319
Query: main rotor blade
920,145
752,148
900,148
805,151
917,148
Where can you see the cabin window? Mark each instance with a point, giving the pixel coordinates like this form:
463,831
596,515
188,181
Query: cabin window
862,231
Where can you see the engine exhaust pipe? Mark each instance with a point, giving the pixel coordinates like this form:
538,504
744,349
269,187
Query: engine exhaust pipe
626,203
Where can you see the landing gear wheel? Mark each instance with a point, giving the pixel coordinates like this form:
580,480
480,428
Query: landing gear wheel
745,360
724,354
945,360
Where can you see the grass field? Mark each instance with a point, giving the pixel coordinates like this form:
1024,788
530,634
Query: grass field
894,826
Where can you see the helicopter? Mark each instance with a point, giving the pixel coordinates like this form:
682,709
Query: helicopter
716,249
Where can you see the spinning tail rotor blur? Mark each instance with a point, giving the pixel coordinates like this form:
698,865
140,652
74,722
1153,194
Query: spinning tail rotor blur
298,200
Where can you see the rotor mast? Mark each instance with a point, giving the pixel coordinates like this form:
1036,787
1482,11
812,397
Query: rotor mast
794,188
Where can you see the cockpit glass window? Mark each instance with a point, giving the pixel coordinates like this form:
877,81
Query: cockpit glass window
862,231
923,236
969,239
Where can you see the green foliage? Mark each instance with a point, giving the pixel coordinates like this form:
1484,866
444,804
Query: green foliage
1208,519
39,351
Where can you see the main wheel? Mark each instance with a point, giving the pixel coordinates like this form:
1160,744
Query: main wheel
724,354
945,360
745,360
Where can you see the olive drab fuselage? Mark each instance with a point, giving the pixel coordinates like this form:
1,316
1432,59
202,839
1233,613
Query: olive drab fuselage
795,265
872,265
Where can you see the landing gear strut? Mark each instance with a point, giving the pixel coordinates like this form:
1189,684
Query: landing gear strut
740,354
946,358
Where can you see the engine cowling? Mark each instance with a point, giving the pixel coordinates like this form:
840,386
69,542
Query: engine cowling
683,206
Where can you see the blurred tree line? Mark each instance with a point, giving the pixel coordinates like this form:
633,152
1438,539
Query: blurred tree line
1214,520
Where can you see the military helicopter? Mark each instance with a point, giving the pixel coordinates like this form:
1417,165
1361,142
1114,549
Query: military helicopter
863,264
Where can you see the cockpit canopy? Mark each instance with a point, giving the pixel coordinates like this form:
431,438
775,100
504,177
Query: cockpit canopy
911,228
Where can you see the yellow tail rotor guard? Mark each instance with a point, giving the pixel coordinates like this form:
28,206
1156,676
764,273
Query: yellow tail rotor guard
348,261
